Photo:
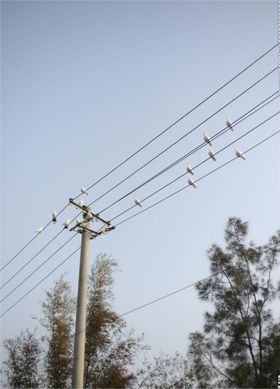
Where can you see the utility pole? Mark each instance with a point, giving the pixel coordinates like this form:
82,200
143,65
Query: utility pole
80,331
83,227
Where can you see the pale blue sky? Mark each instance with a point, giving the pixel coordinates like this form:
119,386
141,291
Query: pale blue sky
84,84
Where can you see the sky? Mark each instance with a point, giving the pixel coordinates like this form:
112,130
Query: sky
84,85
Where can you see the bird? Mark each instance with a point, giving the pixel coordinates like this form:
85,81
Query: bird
207,139
190,170
229,124
40,229
138,202
66,223
78,221
83,190
239,154
191,182
54,216
212,154
81,203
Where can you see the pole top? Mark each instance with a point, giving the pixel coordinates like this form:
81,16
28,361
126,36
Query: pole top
89,216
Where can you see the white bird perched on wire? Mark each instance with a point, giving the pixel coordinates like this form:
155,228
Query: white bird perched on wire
66,223
190,170
54,217
207,139
40,229
138,202
191,182
83,190
212,154
239,154
229,124
78,221
81,203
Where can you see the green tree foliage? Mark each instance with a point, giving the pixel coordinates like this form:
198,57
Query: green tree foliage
22,365
165,372
240,342
110,347
58,309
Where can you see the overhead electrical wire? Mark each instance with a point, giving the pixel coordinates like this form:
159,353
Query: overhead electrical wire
169,294
37,268
173,144
31,259
138,213
185,135
243,117
27,244
199,179
38,283
177,291
31,240
218,134
195,167
24,247
237,121
151,302
149,142
252,111
183,116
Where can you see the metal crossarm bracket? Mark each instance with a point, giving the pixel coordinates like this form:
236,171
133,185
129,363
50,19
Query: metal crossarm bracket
87,210
88,216
78,227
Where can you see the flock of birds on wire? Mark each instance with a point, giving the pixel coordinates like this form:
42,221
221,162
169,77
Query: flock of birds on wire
211,152
137,201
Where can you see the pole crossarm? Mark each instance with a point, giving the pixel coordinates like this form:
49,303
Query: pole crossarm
89,216
86,209
79,227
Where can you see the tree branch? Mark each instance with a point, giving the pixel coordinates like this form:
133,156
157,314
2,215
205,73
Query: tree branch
242,317
244,254
210,360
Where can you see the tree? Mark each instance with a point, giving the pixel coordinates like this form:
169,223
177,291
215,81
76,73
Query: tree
165,372
58,309
22,365
110,348
240,342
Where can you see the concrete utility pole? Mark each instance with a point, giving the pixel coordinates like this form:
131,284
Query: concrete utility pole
80,331
83,227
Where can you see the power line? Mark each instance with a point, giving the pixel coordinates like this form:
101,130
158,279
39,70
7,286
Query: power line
219,133
243,117
183,116
31,240
38,268
185,173
38,283
199,179
239,120
160,189
180,139
27,244
152,194
178,291
133,216
169,294
31,259
151,141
